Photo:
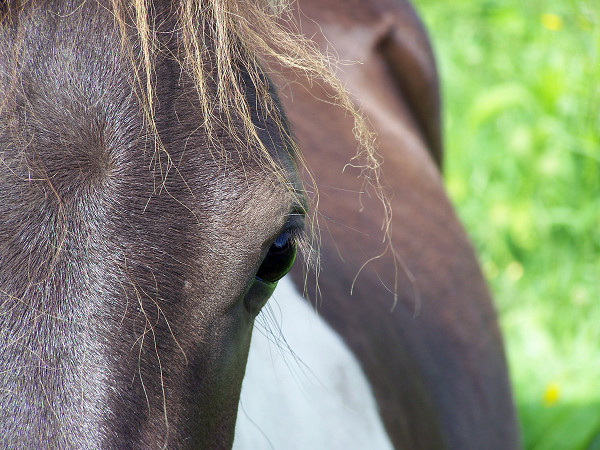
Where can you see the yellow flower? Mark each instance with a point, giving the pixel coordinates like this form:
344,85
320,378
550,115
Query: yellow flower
551,394
514,271
551,21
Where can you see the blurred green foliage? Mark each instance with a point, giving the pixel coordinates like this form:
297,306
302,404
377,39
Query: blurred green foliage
521,89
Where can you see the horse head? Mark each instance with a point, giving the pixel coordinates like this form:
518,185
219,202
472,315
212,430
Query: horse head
143,225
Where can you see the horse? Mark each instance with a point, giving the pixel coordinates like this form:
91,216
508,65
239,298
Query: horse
153,194
433,358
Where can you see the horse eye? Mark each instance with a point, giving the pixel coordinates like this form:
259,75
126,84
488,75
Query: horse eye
279,259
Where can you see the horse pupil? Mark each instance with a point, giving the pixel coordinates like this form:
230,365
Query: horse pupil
278,262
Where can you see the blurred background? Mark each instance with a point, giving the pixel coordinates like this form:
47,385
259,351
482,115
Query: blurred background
521,90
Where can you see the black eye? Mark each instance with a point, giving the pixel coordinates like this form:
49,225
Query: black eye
279,259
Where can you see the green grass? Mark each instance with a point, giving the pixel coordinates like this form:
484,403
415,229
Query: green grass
521,89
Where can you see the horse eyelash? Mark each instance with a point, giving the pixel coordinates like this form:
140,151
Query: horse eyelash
293,235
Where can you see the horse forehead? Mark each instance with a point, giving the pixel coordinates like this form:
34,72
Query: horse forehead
75,90
69,83
86,143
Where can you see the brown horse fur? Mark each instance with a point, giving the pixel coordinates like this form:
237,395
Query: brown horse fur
145,169
434,358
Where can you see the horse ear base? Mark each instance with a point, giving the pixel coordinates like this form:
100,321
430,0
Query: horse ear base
417,82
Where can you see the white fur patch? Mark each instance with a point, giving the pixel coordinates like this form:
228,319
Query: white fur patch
303,388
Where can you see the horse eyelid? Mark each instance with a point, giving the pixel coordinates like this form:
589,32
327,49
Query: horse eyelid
287,235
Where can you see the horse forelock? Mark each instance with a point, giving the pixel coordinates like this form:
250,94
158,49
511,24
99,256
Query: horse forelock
225,47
